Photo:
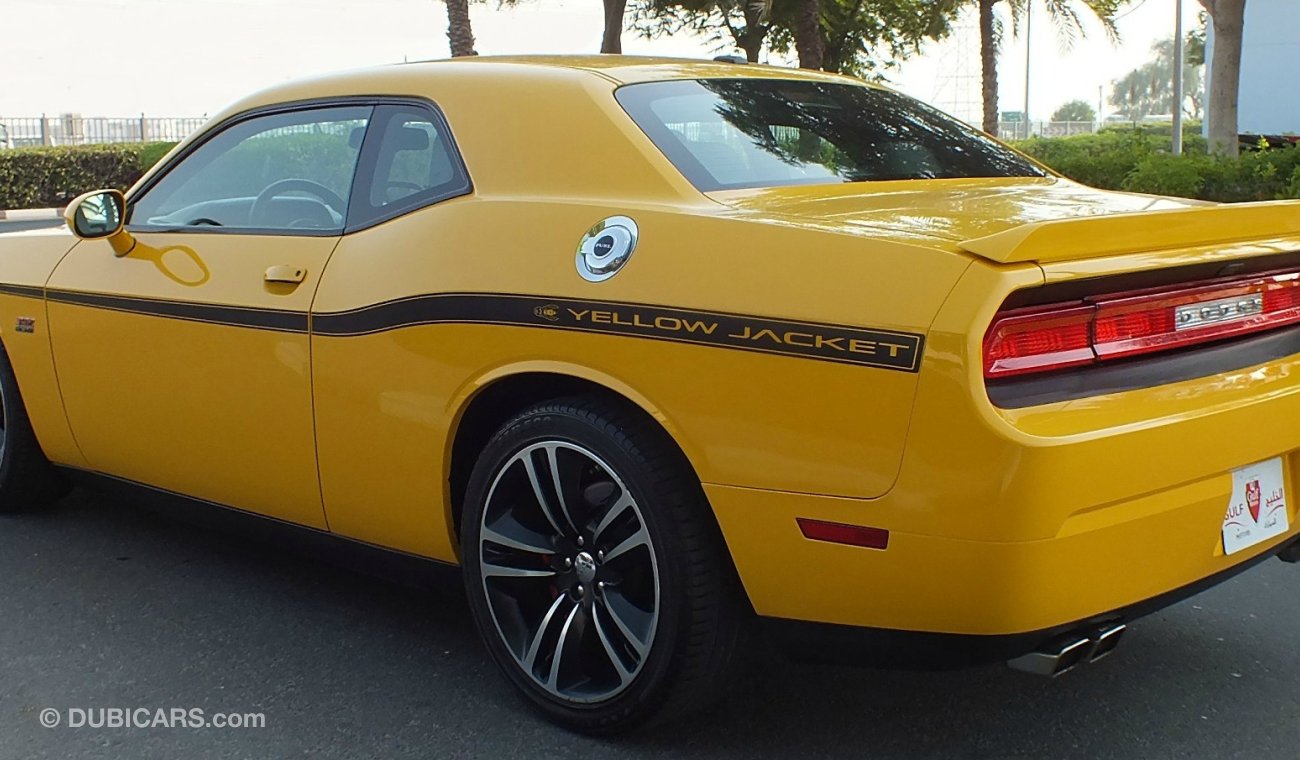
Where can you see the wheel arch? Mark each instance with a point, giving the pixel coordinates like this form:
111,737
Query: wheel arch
484,405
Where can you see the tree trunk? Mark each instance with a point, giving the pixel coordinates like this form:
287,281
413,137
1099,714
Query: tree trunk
1228,17
752,44
833,59
808,34
755,32
989,65
612,41
459,32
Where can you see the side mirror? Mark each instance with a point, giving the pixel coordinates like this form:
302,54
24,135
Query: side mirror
101,214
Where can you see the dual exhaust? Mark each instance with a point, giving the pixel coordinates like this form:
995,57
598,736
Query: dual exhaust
1068,652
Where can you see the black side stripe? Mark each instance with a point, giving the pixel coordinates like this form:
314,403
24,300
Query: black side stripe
810,340
22,290
279,320
886,349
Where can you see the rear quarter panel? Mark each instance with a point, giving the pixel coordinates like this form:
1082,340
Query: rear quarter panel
388,402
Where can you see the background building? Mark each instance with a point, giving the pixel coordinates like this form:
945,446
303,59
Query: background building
1270,82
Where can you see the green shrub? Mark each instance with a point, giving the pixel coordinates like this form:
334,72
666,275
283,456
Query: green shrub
45,177
1139,161
1293,188
1166,174
152,153
1101,160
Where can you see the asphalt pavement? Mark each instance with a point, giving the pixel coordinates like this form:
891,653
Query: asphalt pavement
104,604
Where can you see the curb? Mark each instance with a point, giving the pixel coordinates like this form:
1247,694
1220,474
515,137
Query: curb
25,214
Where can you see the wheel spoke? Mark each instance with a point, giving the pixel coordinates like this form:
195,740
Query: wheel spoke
535,646
639,538
624,675
621,624
531,544
548,511
553,678
553,463
621,505
491,570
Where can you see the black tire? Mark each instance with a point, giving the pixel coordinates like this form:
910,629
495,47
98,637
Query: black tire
27,480
700,610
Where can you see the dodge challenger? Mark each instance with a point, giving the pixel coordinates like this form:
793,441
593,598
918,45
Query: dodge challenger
661,353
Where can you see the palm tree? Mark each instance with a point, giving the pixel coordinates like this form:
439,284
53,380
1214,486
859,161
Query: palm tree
808,34
612,40
1065,18
459,32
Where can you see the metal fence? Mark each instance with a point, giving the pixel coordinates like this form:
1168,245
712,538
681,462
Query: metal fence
74,129
1019,130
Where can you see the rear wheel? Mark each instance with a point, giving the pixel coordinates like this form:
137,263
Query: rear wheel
27,480
594,569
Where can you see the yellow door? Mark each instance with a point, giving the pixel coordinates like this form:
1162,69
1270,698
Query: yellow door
185,364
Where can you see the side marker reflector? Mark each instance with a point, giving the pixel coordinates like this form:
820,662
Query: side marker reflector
839,533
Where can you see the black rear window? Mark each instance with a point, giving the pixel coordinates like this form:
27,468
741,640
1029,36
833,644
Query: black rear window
725,134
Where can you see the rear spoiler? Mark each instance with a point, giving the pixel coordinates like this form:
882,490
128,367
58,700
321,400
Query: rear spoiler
1114,234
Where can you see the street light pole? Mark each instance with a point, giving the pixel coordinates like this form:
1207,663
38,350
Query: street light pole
1029,25
1178,78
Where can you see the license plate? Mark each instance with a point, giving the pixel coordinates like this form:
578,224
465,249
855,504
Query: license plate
1257,509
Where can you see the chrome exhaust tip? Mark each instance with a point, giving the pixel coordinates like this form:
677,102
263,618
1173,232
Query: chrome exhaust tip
1055,660
1107,640
1067,653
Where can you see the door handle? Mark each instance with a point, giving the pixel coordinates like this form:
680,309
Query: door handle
285,273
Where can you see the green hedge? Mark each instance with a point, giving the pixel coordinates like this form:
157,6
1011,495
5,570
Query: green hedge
1139,161
50,177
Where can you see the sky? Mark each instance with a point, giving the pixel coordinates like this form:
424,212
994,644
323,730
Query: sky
192,57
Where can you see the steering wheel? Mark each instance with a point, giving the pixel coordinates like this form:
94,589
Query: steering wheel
265,198
398,185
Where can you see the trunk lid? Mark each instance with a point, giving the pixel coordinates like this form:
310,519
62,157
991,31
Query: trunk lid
1015,220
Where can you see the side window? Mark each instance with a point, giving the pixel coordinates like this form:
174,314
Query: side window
281,172
408,162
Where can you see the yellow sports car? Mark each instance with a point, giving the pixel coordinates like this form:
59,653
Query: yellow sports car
656,350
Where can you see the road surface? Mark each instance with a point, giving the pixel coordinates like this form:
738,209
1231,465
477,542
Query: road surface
105,604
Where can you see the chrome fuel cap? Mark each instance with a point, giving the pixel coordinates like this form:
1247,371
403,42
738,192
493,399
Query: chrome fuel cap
606,248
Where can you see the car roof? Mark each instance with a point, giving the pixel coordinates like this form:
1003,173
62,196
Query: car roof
429,77
628,69
575,129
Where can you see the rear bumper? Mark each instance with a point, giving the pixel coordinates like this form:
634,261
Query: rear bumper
1098,564
918,650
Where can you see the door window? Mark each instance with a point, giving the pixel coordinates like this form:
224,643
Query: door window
280,172
409,162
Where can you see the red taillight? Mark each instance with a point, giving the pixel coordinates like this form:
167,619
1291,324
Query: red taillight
1100,328
840,533
1039,339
